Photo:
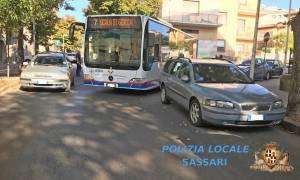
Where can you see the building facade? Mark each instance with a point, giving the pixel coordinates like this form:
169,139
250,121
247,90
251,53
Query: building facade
274,23
222,27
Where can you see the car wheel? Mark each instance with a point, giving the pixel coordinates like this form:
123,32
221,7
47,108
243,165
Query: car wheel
195,113
164,97
268,76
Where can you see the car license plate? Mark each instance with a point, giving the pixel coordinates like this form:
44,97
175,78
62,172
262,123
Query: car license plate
110,85
255,117
41,81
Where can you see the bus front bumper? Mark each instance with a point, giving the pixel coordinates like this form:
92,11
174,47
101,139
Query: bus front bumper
137,86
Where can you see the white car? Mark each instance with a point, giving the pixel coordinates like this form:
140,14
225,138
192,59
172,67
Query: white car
49,71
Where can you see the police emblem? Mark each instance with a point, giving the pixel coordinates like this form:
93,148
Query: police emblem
271,159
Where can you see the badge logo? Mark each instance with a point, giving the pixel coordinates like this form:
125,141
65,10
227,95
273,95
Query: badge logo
110,71
271,159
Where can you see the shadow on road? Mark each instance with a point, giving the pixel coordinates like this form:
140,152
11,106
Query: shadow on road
81,136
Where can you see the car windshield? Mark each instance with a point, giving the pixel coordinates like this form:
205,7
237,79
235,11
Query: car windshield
212,73
50,61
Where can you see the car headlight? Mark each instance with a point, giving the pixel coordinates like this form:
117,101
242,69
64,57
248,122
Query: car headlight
219,104
25,76
278,105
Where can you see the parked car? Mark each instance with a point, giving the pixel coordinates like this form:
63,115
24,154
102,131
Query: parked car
218,92
261,71
48,70
277,67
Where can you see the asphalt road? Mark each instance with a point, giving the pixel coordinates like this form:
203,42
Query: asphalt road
97,133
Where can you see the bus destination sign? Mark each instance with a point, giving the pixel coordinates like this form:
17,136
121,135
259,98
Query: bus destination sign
113,22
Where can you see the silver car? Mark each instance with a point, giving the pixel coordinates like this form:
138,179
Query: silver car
48,70
218,92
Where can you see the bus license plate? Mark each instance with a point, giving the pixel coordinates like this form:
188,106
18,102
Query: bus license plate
110,85
255,117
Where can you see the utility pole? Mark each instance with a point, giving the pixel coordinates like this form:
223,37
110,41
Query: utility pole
63,44
287,33
33,37
255,40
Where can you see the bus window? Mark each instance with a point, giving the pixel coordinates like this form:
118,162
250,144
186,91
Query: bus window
116,45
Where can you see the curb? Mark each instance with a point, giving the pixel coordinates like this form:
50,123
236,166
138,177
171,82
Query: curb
292,126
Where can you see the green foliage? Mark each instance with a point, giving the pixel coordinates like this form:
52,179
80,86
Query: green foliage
142,7
61,34
278,41
17,13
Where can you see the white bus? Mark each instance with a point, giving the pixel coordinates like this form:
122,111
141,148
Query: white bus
128,51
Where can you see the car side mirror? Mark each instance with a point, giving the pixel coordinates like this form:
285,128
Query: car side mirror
185,78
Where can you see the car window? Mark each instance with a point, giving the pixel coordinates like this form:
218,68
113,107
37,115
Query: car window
50,61
270,62
176,68
183,71
168,65
259,61
213,73
276,63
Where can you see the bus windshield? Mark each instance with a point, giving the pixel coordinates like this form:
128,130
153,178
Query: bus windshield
116,47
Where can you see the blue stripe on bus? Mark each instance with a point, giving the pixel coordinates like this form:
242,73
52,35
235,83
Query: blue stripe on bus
122,85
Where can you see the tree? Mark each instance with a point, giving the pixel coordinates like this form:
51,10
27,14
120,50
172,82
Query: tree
62,30
44,15
143,7
13,16
293,108
278,42
17,14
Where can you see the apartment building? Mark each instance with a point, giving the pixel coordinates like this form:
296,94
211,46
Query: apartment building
275,23
222,27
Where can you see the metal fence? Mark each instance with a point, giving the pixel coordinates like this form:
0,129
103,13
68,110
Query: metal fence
9,70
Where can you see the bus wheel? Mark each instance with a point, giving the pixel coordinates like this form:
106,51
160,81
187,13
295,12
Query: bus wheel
164,97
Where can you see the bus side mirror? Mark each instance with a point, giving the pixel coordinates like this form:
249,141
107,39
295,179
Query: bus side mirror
72,29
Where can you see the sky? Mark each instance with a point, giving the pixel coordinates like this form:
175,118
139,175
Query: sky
80,4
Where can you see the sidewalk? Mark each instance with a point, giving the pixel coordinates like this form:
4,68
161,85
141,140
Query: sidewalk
9,85
292,126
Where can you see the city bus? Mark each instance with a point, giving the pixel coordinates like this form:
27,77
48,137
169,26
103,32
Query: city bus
128,51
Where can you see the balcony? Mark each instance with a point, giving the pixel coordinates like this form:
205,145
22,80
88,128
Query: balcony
198,20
